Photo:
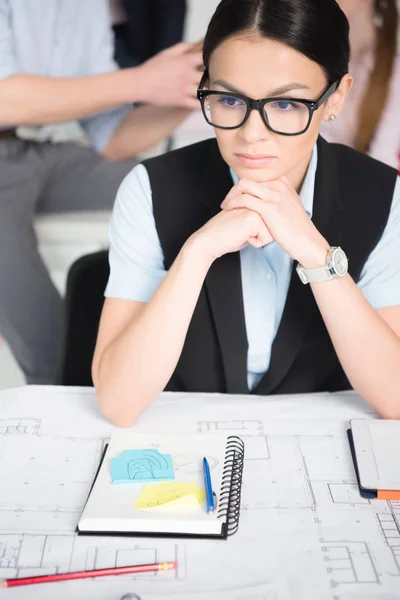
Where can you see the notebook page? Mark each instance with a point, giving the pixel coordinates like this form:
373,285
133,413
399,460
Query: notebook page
111,506
385,437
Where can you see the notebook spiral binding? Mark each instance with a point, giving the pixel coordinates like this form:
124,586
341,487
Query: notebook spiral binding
231,485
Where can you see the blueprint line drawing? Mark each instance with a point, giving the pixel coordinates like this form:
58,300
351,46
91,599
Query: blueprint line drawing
390,525
332,483
63,466
346,493
247,426
19,426
27,555
349,562
251,432
305,532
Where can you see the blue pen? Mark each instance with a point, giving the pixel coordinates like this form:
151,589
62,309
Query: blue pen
208,486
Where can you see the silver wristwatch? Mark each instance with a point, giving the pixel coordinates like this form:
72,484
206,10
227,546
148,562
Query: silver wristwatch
336,265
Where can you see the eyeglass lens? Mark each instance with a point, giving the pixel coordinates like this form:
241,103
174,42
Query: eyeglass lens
284,116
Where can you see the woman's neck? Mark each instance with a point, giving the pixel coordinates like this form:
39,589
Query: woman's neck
297,176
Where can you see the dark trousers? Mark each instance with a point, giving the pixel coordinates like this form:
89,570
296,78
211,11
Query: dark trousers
152,26
42,178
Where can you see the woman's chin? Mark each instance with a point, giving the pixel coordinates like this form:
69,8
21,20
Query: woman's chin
259,175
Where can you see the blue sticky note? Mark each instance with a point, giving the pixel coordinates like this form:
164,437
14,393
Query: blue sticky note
142,466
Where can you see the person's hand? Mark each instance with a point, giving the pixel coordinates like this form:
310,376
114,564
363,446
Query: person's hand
171,77
284,215
230,231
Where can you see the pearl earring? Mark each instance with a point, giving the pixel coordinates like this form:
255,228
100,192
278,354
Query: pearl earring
332,117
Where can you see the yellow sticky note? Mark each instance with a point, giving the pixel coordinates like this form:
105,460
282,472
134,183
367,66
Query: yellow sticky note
170,495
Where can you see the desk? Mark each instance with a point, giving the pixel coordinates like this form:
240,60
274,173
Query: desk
305,533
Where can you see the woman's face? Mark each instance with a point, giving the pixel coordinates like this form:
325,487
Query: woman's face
262,68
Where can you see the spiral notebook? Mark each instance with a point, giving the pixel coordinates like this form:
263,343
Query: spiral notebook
119,502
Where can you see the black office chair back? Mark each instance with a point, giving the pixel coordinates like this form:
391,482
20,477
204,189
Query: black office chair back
87,280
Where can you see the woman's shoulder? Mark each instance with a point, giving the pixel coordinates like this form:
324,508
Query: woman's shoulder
352,160
167,168
180,173
360,177
187,155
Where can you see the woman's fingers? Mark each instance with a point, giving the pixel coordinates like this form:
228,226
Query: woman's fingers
248,201
247,186
269,191
258,232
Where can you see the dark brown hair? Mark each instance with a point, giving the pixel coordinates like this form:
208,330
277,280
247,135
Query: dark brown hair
317,28
377,93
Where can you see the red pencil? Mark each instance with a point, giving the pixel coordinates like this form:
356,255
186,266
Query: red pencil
166,566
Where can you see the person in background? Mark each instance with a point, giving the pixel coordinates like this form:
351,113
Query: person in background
144,28
56,65
370,120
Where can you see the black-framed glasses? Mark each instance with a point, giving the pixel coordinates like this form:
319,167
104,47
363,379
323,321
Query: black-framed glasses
284,116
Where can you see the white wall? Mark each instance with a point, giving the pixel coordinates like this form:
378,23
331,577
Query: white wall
198,17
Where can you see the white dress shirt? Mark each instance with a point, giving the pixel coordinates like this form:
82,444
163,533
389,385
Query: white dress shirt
61,38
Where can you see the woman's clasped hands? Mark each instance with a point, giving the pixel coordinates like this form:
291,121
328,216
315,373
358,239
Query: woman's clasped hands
282,212
259,214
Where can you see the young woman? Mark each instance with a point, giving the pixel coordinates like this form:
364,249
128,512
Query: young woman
228,258
370,120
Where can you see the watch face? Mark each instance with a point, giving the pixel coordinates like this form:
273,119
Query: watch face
340,262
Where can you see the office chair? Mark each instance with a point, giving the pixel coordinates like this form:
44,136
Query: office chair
86,282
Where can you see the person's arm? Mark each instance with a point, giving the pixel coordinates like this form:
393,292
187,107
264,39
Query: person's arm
36,100
141,129
375,319
33,99
169,79
366,340
139,344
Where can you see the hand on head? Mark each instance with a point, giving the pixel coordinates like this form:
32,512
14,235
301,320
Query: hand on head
171,78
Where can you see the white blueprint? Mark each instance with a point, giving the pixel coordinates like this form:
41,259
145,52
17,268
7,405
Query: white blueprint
305,533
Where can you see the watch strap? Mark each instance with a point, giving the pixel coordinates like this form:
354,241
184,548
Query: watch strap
314,275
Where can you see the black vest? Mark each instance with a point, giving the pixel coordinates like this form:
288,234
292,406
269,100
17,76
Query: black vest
352,201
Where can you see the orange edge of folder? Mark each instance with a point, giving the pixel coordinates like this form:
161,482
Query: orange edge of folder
388,495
